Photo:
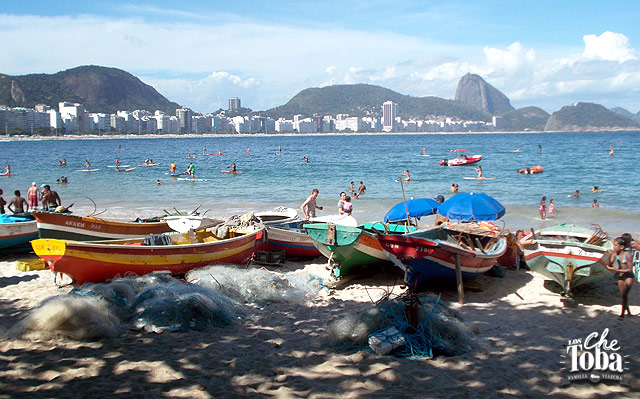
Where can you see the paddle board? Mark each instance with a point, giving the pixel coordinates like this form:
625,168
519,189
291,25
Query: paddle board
125,170
147,164
86,170
421,155
5,174
232,171
459,150
220,155
189,179
175,174
479,178
121,166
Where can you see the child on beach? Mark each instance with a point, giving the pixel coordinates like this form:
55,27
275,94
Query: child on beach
620,257
347,206
552,207
543,207
595,204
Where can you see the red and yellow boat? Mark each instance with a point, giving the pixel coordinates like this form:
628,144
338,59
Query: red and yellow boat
98,261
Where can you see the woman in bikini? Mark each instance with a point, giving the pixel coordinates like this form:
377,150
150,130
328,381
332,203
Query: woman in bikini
620,262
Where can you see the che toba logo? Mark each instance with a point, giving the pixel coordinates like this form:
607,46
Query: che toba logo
594,359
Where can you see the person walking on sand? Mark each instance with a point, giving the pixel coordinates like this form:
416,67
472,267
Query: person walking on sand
620,262
309,206
19,204
32,194
543,207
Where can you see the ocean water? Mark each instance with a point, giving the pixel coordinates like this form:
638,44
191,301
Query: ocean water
571,161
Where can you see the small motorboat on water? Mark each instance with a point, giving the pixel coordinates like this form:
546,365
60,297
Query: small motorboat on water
532,170
461,160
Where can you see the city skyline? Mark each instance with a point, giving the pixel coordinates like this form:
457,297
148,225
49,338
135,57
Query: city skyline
546,54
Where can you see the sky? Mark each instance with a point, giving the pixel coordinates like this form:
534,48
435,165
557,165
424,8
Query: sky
199,53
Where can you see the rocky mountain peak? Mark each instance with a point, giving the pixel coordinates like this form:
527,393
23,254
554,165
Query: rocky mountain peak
476,92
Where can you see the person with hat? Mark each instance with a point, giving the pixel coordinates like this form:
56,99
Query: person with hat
32,194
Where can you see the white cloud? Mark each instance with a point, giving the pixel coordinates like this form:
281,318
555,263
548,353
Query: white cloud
511,59
609,46
330,69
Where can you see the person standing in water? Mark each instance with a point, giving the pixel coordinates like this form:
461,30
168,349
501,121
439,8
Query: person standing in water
248,151
33,194
611,152
543,207
19,204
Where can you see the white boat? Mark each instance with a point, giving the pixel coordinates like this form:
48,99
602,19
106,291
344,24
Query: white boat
277,215
343,220
184,223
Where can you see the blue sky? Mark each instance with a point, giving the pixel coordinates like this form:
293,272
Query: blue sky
200,53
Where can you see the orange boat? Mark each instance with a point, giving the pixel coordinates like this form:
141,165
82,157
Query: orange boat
532,170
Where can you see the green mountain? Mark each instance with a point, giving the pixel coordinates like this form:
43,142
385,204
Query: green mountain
99,89
475,91
366,100
588,116
529,118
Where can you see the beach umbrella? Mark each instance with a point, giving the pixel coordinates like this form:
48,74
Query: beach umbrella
471,206
417,208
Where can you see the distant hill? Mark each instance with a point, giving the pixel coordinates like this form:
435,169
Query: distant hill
476,92
529,118
624,112
588,116
99,89
366,100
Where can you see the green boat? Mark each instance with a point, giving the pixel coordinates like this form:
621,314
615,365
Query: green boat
569,255
351,249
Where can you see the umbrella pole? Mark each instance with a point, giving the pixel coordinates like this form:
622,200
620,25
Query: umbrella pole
459,280
404,199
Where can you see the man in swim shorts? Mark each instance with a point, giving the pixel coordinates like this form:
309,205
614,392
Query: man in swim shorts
309,206
19,203
32,194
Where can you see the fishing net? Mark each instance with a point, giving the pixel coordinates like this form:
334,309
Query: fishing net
256,285
437,330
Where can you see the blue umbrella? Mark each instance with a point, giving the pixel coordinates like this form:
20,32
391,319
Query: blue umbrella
417,207
471,206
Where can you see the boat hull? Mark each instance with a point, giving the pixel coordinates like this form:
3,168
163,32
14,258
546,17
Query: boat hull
101,261
295,242
87,228
16,235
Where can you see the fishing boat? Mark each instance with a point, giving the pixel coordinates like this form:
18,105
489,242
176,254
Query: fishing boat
17,230
290,238
569,255
461,160
432,253
88,228
351,250
281,214
98,261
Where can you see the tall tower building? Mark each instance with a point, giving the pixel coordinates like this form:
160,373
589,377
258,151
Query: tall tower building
184,116
389,114
234,104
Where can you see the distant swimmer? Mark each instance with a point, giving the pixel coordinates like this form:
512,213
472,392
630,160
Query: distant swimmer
611,152
479,170
517,149
279,150
454,188
119,146
248,151
159,182
305,160
575,195
539,148
595,204
595,189
62,162
407,176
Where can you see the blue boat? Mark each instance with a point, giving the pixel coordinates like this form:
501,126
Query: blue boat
16,231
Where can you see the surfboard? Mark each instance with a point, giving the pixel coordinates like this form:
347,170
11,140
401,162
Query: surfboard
6,174
175,174
189,179
479,178
459,150
232,171
125,170
220,155
421,155
121,166
87,170
147,164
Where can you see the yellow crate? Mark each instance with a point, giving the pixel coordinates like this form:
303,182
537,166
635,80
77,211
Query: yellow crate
27,265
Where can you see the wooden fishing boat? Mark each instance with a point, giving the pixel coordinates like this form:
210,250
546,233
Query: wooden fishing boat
87,228
461,160
569,255
351,250
98,261
17,230
432,253
290,238
277,215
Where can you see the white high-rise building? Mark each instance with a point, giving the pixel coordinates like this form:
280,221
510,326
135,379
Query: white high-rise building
389,114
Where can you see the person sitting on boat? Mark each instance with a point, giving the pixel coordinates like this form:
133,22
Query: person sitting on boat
7,169
63,162
424,151
620,257
309,206
172,168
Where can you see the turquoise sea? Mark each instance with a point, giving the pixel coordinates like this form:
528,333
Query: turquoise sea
571,161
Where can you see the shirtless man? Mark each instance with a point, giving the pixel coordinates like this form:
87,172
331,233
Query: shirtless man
309,206
19,203
50,199
361,189
2,203
233,166
351,188
32,194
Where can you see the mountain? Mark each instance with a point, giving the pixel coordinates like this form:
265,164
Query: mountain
366,100
529,118
99,89
476,92
588,116
624,112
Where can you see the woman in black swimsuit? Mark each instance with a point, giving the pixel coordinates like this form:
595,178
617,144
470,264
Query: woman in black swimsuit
620,262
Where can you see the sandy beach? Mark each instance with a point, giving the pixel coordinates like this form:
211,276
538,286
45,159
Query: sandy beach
281,349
